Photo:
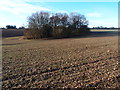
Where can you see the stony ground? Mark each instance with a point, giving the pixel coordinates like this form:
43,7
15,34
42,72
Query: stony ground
64,63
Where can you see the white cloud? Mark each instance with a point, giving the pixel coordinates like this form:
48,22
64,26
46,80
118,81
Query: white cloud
18,10
19,7
94,14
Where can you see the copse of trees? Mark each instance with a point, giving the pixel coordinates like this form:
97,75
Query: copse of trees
57,25
11,27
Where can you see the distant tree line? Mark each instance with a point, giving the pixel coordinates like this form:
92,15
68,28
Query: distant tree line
101,27
12,27
57,25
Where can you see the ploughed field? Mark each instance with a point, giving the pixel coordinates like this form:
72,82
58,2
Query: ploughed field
60,63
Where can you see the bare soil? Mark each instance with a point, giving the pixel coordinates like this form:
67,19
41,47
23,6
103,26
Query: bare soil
60,63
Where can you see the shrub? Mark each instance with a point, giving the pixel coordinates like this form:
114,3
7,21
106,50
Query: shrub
47,31
84,30
32,33
57,32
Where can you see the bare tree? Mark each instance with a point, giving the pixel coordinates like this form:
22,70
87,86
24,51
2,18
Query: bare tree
38,20
78,20
64,20
55,20
83,20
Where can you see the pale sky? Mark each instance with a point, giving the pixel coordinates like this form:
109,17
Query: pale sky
15,12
